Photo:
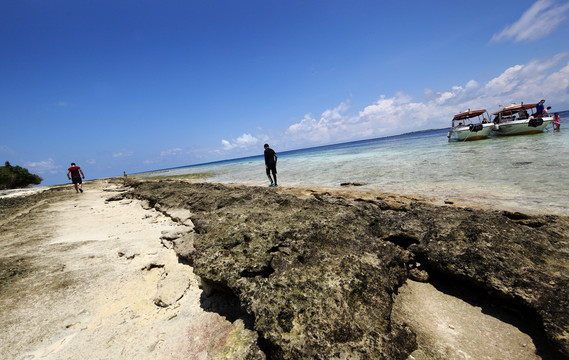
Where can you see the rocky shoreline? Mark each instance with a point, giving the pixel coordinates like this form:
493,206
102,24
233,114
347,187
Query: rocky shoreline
229,271
318,271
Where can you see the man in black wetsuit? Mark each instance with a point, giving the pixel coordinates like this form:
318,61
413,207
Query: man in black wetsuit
271,164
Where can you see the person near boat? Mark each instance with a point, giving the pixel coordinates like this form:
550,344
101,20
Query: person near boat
556,122
540,109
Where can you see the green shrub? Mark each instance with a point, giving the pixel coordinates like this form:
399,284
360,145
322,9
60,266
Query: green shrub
13,177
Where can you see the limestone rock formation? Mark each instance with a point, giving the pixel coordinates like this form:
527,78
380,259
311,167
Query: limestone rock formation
318,273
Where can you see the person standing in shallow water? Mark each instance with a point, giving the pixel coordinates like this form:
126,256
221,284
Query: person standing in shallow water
556,122
271,164
75,177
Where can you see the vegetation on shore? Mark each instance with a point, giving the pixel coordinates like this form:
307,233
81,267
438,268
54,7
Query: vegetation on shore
198,176
14,177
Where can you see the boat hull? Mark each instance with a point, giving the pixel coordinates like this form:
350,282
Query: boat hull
465,134
520,127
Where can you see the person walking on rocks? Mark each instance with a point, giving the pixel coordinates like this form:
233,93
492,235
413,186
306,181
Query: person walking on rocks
271,164
74,171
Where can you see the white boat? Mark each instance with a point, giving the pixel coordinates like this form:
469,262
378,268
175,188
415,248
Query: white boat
470,125
514,119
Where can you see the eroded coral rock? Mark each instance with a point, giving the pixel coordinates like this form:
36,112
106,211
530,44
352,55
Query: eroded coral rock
318,273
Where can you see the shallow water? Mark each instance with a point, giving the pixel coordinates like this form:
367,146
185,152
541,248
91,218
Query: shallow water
527,173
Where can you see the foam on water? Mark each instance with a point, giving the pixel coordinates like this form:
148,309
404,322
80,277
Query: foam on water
527,173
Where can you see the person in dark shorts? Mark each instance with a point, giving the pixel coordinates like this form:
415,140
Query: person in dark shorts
74,173
271,164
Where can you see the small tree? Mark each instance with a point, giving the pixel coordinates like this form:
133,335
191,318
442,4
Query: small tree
6,177
13,177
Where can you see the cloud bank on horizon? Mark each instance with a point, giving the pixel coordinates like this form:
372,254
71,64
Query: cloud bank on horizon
401,113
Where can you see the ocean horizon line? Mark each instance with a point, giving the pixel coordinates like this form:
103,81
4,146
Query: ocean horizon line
312,148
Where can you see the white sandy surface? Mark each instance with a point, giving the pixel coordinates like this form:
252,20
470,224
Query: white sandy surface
102,285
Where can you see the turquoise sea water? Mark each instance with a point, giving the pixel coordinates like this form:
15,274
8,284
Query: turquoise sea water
528,173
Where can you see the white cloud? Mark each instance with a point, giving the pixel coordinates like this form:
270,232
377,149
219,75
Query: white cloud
122,154
91,161
559,80
537,22
529,80
507,81
546,78
243,142
170,152
388,115
330,125
43,166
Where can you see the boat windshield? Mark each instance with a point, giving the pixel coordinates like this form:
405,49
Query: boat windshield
461,120
514,112
512,115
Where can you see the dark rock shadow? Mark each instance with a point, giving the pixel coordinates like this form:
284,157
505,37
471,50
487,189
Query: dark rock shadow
227,304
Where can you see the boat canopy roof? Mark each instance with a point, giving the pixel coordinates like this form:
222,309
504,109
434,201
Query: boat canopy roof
468,114
515,108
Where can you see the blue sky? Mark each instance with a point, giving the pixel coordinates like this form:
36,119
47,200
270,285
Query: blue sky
142,85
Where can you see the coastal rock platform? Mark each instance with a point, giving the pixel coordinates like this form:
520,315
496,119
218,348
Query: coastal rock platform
172,269
318,271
